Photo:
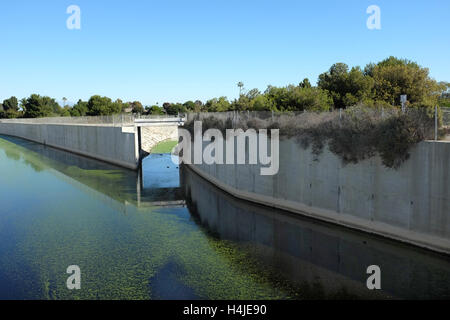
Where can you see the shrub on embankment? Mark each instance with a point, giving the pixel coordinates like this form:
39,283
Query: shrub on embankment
354,134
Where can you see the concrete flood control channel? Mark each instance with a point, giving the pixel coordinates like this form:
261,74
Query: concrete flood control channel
409,204
267,251
215,247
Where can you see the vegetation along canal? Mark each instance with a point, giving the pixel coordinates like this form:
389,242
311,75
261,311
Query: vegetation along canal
165,233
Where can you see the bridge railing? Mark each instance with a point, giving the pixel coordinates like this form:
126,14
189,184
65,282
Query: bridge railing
118,120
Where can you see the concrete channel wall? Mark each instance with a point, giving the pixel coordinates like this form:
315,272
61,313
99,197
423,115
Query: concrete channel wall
116,145
410,204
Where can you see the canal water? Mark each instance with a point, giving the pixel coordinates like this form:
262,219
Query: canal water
165,233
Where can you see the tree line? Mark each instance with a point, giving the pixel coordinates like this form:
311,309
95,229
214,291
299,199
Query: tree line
378,84
37,106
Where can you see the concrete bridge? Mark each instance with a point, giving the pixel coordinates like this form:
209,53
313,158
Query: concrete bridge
152,131
121,139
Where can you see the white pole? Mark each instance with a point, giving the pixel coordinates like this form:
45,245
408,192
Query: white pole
403,99
435,123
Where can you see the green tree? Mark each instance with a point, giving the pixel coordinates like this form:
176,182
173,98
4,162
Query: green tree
346,87
9,108
117,106
37,106
23,102
394,77
155,110
174,108
9,114
190,105
136,107
218,105
444,99
305,83
240,104
281,97
65,111
262,103
79,109
198,106
293,98
245,101
311,99
11,104
98,106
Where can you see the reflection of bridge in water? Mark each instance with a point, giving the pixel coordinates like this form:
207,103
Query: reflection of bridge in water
156,183
159,182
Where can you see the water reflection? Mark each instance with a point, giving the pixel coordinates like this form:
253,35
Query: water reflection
325,260
156,184
59,208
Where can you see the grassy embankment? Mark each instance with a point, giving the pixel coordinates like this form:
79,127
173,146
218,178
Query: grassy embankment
164,147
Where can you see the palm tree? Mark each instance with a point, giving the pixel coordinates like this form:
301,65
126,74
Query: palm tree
65,100
241,86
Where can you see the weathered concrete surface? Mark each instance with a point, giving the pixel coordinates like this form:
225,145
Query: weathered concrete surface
111,144
151,136
411,204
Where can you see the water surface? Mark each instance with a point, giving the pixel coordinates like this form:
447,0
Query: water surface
164,233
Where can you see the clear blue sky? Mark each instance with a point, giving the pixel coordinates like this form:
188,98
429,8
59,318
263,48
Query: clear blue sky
167,50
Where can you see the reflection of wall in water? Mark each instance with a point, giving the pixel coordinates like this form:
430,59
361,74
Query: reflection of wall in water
119,184
313,252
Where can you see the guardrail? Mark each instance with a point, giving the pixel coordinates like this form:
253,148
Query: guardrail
140,122
119,120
